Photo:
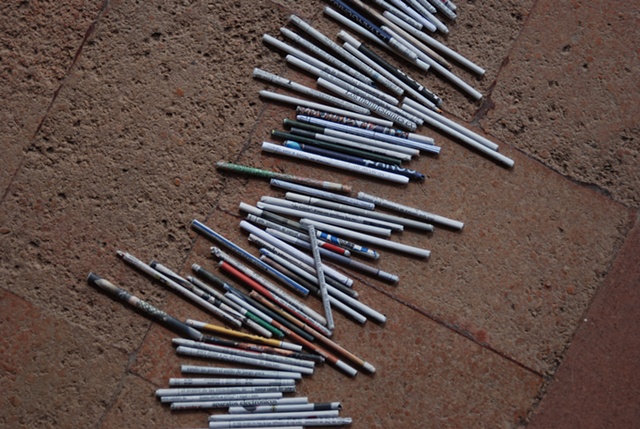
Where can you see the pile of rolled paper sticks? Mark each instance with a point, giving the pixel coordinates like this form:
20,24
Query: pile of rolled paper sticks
289,338
360,125
356,85
258,369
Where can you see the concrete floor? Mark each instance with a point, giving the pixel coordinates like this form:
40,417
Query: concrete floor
115,113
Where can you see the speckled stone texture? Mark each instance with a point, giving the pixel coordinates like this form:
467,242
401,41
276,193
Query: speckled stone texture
596,386
40,42
55,373
567,94
116,112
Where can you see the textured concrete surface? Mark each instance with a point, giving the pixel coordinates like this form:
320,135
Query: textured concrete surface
116,112
40,41
57,374
597,384
563,55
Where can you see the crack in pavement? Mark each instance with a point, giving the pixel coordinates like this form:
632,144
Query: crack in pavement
88,33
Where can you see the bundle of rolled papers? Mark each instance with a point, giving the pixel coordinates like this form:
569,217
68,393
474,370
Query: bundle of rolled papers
289,338
269,366
344,225
360,128
350,125
253,397
298,271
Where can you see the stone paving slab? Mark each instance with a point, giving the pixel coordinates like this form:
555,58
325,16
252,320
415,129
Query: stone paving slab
115,170
137,406
567,94
53,373
597,383
40,40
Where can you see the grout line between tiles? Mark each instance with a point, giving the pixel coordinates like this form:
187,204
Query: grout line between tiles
454,329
